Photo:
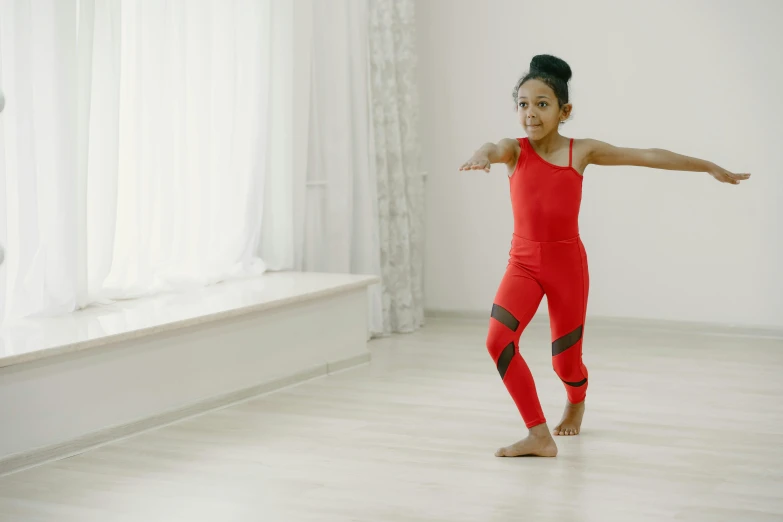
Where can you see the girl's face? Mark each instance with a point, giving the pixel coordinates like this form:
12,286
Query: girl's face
538,109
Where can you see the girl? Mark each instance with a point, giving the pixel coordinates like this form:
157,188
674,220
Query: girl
547,256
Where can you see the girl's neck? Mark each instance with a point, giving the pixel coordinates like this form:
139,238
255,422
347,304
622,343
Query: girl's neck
548,143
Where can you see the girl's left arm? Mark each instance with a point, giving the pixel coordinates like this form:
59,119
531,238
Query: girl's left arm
600,153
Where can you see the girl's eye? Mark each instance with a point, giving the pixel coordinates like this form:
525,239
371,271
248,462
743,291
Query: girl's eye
521,104
543,104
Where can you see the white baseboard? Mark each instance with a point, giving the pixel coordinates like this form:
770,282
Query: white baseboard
701,328
25,460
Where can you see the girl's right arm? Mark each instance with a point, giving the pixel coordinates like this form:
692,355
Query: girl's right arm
505,151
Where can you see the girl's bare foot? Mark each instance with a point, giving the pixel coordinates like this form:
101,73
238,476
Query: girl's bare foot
571,422
538,443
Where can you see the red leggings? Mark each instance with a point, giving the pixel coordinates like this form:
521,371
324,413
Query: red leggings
559,270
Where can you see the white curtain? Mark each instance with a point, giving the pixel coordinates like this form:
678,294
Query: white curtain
38,162
338,224
358,206
156,146
134,145
194,90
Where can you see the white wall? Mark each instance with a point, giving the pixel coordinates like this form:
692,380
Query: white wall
703,78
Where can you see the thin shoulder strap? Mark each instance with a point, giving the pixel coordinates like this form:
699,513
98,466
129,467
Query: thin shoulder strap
521,147
571,153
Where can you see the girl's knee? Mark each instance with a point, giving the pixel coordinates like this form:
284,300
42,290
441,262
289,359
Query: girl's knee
497,340
569,370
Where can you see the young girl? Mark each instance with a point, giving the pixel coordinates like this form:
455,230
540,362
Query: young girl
547,256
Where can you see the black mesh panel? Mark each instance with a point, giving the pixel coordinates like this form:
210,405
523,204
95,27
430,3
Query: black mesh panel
504,316
505,359
566,342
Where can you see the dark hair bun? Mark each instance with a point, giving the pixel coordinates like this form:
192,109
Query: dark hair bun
552,65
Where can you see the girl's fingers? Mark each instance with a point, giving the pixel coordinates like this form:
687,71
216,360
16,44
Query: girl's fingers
474,166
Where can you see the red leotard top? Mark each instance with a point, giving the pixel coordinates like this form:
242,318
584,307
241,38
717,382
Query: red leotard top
545,198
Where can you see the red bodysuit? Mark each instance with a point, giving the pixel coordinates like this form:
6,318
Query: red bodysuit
547,257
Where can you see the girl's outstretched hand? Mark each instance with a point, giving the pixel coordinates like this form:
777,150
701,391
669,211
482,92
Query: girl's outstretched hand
479,161
724,176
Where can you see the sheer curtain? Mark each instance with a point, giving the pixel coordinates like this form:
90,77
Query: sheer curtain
320,210
38,168
359,206
134,145
338,224
156,146
193,89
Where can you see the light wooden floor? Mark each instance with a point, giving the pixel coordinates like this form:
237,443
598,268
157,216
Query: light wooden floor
678,426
